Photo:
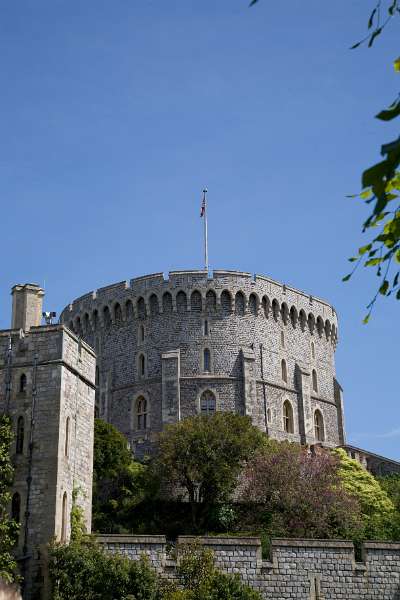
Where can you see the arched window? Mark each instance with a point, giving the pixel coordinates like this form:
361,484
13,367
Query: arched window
265,305
66,442
167,302
196,302
106,317
22,384
205,330
117,313
284,370
207,403
181,302
312,350
239,304
211,301
129,309
288,417
154,306
282,339
226,302
141,308
319,426
275,309
142,365
141,413
95,318
141,334
314,381
206,360
293,316
16,508
19,445
253,304
64,518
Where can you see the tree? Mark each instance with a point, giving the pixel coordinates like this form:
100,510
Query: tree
377,509
298,494
391,485
380,184
204,455
119,482
8,527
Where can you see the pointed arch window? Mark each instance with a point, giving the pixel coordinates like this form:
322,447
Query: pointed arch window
66,441
22,384
207,360
19,445
319,426
142,365
314,381
206,327
141,413
64,518
312,350
141,334
207,403
284,374
16,508
282,339
288,426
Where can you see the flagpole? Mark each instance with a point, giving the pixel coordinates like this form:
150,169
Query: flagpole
205,230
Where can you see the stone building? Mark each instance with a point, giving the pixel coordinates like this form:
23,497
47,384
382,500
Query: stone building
195,343
47,385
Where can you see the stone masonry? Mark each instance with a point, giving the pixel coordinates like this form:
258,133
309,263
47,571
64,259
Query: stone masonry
47,385
297,569
251,343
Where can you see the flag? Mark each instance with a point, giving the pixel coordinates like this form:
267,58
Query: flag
203,207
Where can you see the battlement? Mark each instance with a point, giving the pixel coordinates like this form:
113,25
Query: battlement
121,299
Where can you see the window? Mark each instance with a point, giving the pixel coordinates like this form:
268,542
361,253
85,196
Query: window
207,360
19,446
64,518
253,304
16,507
141,334
181,302
319,426
196,302
269,415
211,301
312,350
240,304
284,370
206,327
141,308
142,365
129,309
282,339
66,443
226,302
288,417
314,381
106,317
141,413
117,313
207,403
22,384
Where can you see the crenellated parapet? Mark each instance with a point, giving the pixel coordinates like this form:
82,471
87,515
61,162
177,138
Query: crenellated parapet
225,292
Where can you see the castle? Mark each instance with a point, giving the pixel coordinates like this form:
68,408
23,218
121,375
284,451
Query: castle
148,352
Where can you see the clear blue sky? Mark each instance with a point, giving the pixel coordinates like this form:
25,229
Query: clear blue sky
114,115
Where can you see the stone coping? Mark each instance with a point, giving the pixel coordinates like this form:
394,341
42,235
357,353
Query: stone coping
382,545
220,541
123,538
311,543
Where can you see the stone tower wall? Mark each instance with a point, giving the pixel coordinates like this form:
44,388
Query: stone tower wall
253,324
59,389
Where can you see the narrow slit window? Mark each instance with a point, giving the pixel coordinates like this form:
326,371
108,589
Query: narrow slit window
22,383
314,381
284,371
207,360
141,414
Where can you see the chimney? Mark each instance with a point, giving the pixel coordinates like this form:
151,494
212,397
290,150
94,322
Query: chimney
27,301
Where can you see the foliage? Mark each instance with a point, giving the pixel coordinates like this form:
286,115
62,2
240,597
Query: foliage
119,482
86,572
8,528
199,579
204,454
299,494
376,507
78,529
391,485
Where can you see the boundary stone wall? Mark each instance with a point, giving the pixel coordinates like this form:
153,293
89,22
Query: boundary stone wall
298,568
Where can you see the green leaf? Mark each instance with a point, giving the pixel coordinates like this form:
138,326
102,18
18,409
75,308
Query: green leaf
374,174
397,256
364,249
396,65
366,194
389,113
373,262
353,259
398,295
396,279
374,35
366,319
347,277
384,288
371,18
